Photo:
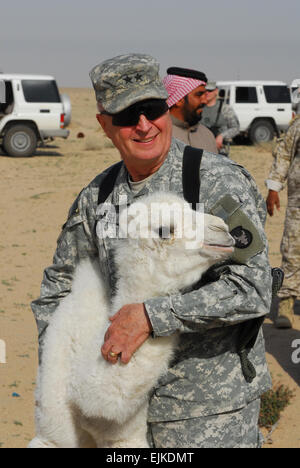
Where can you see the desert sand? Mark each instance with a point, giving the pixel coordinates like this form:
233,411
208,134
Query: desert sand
36,194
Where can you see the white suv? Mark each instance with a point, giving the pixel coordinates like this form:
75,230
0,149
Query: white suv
263,107
31,111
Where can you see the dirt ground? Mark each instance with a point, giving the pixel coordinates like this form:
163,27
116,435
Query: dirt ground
36,194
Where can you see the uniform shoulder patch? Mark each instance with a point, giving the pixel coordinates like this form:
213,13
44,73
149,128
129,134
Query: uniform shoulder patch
248,241
243,238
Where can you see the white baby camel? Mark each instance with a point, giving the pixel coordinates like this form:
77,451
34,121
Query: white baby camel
84,401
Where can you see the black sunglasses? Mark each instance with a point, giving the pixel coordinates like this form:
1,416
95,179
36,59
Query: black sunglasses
150,108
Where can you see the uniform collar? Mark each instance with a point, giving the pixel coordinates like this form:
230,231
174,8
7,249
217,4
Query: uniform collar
161,180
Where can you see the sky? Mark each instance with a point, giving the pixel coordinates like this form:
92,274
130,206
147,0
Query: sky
226,39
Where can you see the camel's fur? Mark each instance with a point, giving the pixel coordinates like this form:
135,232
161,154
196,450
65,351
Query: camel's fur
84,401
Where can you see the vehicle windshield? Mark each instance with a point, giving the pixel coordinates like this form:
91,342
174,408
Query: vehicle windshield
40,91
277,94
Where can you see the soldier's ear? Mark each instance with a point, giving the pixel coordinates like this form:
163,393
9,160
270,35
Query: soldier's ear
102,119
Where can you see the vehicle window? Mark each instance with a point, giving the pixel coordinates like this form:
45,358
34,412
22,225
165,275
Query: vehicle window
277,94
40,91
245,95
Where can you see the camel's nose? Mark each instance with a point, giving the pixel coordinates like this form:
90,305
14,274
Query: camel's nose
218,233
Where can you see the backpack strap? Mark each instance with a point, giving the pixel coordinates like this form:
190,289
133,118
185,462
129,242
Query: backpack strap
108,182
249,330
192,158
190,177
219,111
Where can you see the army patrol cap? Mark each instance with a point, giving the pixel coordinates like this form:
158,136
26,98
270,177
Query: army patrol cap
211,86
126,79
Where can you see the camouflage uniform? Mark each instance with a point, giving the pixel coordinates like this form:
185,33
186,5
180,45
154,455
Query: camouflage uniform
226,430
205,379
228,124
286,168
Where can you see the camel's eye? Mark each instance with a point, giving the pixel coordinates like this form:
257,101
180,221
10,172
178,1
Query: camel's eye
166,232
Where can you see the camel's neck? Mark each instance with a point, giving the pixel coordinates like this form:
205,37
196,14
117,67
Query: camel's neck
139,281
129,290
140,278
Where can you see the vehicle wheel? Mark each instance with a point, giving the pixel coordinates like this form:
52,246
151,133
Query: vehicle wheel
261,132
20,140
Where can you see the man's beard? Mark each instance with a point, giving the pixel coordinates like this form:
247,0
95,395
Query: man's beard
192,117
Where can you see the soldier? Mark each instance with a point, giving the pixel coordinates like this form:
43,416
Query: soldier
187,98
296,96
286,168
220,118
210,396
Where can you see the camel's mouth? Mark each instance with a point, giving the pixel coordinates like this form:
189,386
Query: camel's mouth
220,247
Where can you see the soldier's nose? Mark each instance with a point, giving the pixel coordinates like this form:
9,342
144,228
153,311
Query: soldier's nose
143,124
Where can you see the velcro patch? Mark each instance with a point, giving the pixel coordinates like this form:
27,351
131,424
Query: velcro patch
243,230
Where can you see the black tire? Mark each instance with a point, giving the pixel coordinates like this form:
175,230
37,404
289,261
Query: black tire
261,131
20,141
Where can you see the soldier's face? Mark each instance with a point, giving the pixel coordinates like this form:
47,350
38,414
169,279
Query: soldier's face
211,95
146,143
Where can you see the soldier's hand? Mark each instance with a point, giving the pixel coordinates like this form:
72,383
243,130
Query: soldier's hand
272,199
129,328
219,141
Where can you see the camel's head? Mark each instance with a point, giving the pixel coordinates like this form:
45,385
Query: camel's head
176,242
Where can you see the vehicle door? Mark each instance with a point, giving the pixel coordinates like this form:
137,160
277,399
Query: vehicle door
276,103
245,101
41,100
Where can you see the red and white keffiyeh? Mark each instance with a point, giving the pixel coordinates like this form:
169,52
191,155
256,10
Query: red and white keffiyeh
179,86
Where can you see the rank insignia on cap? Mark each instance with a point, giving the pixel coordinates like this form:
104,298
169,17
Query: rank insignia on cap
243,238
128,79
124,80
